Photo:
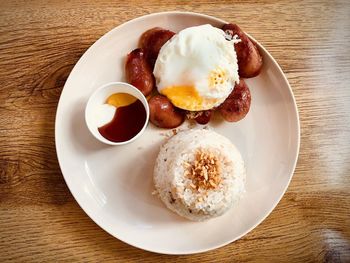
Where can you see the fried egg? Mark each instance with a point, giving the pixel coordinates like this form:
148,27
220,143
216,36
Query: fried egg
197,68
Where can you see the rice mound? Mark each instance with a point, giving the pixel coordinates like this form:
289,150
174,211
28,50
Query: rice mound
199,174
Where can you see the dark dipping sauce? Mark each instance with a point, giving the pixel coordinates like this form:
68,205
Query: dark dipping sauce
126,123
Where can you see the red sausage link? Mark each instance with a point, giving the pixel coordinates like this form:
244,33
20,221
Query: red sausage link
152,40
237,105
249,59
163,113
203,117
138,72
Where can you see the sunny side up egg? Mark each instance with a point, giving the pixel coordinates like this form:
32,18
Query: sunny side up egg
197,68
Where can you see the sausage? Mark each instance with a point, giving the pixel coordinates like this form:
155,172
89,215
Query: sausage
249,59
237,105
152,40
203,117
164,114
138,72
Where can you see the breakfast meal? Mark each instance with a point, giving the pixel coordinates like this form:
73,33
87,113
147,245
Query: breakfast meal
193,73
122,117
199,174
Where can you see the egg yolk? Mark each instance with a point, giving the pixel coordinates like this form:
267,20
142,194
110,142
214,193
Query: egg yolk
184,97
187,98
120,99
217,77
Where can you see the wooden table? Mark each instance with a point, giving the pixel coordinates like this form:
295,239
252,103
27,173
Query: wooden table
41,42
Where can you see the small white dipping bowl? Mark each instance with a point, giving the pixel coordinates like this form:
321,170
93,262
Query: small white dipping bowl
100,96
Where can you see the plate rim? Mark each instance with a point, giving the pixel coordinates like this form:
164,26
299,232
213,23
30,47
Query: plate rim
294,105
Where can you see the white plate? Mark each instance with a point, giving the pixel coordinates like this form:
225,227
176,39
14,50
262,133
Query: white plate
113,184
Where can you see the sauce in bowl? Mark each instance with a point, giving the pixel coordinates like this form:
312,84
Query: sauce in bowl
117,113
127,122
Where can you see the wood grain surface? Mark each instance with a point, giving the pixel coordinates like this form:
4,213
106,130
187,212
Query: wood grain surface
40,42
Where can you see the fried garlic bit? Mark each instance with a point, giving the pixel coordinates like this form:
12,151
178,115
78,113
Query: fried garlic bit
204,171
